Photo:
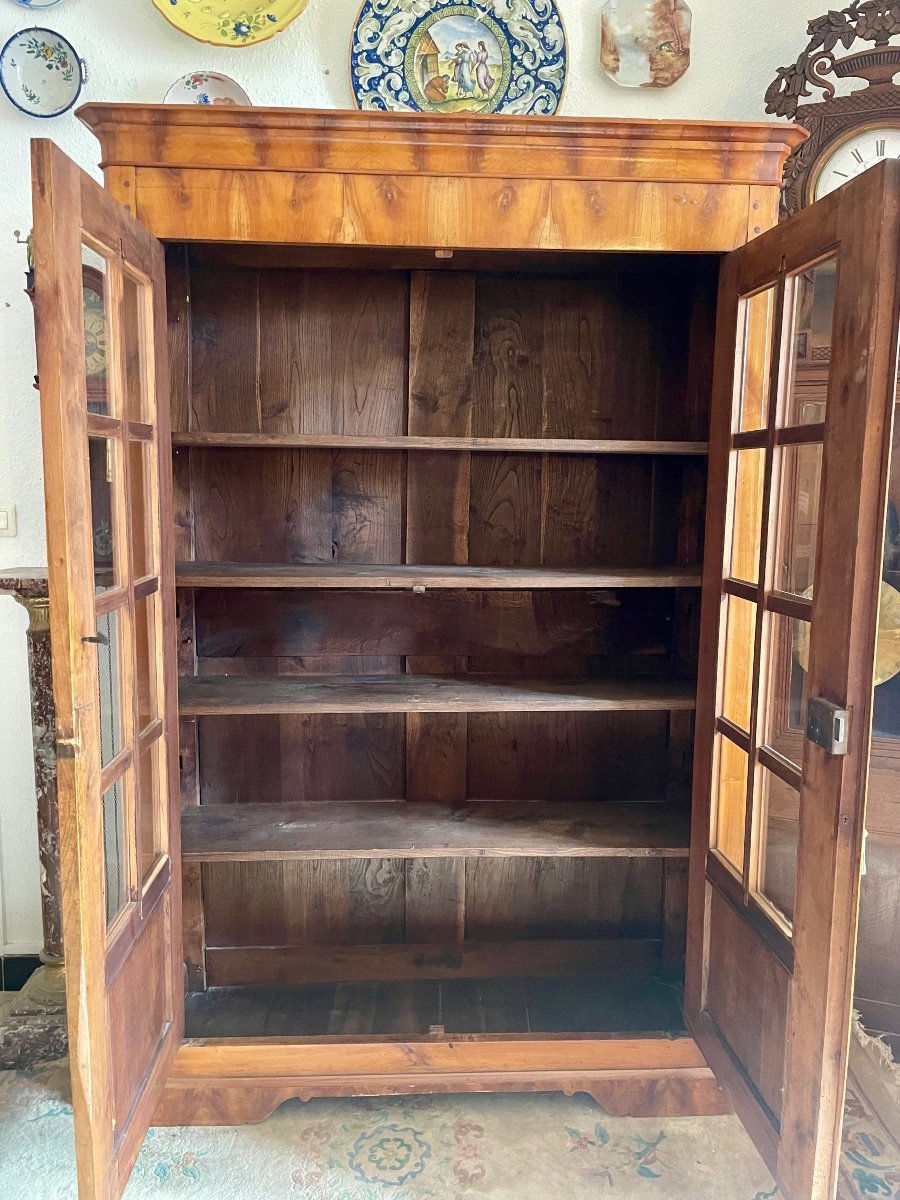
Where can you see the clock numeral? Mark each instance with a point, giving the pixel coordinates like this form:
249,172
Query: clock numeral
880,147
858,157
843,174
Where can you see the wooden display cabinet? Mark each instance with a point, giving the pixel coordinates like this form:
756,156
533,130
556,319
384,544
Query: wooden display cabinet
386,550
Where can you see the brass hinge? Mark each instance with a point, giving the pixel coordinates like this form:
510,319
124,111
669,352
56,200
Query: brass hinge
67,747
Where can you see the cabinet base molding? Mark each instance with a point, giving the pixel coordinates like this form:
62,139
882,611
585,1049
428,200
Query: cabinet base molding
235,1081
679,1092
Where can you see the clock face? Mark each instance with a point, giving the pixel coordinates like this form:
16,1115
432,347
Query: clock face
94,333
855,155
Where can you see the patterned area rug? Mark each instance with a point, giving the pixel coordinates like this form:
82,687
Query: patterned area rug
530,1147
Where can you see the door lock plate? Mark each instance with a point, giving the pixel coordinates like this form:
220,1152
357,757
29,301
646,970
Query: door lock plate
827,725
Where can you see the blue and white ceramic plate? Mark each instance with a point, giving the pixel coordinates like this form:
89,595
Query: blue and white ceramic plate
38,3
41,72
450,56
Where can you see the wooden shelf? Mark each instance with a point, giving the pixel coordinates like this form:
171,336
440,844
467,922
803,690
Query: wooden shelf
341,441
225,695
604,1004
363,575
397,829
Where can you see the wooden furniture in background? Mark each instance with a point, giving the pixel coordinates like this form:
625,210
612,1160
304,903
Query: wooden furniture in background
851,132
435,521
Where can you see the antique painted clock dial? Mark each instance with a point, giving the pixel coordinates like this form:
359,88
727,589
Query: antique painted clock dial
848,133
848,157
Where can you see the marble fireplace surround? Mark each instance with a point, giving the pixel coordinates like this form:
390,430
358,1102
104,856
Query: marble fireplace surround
32,1021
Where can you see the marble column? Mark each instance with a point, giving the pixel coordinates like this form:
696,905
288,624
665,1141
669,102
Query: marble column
44,993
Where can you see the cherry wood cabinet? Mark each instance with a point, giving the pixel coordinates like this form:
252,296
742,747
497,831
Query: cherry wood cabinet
401,749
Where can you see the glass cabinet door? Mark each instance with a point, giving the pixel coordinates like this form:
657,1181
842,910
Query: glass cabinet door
104,399
805,375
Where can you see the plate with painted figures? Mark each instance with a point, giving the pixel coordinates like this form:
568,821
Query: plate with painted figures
495,56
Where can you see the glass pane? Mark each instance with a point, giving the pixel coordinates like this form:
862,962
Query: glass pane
750,469
755,348
150,813
140,475
115,858
813,317
740,637
887,650
779,838
800,475
134,350
731,808
786,677
109,684
146,613
96,342
102,465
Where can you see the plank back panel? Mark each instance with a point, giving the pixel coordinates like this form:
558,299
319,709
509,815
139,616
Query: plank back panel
299,351
276,624
614,348
320,903
298,506
283,759
599,357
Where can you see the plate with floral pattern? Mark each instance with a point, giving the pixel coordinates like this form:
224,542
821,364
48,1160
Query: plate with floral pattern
206,87
41,72
459,56
230,23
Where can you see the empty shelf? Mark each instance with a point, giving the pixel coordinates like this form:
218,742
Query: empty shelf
364,575
223,695
501,445
397,829
596,1004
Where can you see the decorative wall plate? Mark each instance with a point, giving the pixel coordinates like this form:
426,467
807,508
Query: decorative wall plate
226,23
38,3
206,87
41,72
456,57
645,43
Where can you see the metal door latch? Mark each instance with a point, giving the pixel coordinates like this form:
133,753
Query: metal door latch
827,725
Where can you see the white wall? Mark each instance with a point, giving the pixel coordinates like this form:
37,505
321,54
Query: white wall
133,54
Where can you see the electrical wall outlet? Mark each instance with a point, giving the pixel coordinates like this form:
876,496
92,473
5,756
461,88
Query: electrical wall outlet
8,526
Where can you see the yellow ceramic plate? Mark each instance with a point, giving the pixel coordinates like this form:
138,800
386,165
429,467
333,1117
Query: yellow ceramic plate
230,22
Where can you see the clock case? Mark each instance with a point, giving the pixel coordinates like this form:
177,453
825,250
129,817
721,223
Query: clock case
831,123
836,119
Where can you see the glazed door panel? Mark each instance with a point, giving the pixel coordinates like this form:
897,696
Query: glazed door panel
107,460
804,389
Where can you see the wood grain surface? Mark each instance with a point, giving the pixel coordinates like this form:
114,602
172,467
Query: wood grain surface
245,832
412,693
410,575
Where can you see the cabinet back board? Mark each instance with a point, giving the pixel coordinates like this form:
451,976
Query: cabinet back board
614,349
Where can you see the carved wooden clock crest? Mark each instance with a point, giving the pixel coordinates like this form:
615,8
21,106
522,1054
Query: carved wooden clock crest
848,133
